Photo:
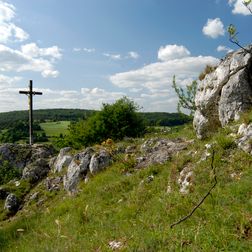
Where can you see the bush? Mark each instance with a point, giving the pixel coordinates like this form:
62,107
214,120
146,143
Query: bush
7,172
208,69
114,121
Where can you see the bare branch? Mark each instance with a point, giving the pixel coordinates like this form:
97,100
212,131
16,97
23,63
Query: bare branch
203,199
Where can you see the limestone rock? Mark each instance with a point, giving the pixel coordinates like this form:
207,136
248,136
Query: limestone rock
63,159
158,151
185,180
245,140
20,155
224,93
11,203
99,161
77,169
36,170
53,184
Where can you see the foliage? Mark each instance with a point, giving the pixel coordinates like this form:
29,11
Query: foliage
186,98
7,119
208,69
165,119
233,36
20,131
114,121
246,4
8,172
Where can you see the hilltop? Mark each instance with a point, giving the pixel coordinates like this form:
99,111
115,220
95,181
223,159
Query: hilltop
133,207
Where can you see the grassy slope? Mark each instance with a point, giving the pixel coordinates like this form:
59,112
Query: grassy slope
113,206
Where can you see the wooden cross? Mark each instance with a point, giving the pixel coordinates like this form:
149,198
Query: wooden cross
30,94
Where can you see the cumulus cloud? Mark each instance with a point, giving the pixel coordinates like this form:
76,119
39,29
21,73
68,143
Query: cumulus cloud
159,74
8,30
239,7
151,85
222,48
100,95
170,52
214,28
32,50
29,59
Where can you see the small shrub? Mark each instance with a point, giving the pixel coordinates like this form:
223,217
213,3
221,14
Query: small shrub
8,172
208,69
225,142
247,117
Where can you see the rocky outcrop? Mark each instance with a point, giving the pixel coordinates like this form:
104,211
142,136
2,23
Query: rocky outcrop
77,169
224,93
36,171
99,161
158,151
63,159
21,155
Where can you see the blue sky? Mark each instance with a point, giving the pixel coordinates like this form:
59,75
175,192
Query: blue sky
83,53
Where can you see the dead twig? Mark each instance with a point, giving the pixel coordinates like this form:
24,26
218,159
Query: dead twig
203,199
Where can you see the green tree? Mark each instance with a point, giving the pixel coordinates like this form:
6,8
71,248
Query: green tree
186,97
114,121
232,29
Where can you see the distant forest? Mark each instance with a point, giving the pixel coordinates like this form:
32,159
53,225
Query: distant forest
152,118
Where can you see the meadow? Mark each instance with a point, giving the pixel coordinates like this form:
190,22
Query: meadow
55,129
120,205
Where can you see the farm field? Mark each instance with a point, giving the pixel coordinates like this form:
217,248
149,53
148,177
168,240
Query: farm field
54,129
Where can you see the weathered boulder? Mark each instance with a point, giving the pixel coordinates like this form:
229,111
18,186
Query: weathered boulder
20,155
77,169
244,142
158,151
36,171
224,93
63,159
53,184
11,203
99,161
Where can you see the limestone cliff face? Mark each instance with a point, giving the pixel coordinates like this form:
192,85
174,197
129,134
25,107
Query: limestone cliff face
224,93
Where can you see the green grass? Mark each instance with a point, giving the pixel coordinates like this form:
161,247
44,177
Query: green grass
113,206
53,129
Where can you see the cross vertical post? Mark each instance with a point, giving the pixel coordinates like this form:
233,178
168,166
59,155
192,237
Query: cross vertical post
30,94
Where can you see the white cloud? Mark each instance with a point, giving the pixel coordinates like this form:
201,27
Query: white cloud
170,52
32,50
159,74
26,60
214,28
76,49
89,50
151,85
133,55
8,30
7,82
7,11
239,7
222,48
113,56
